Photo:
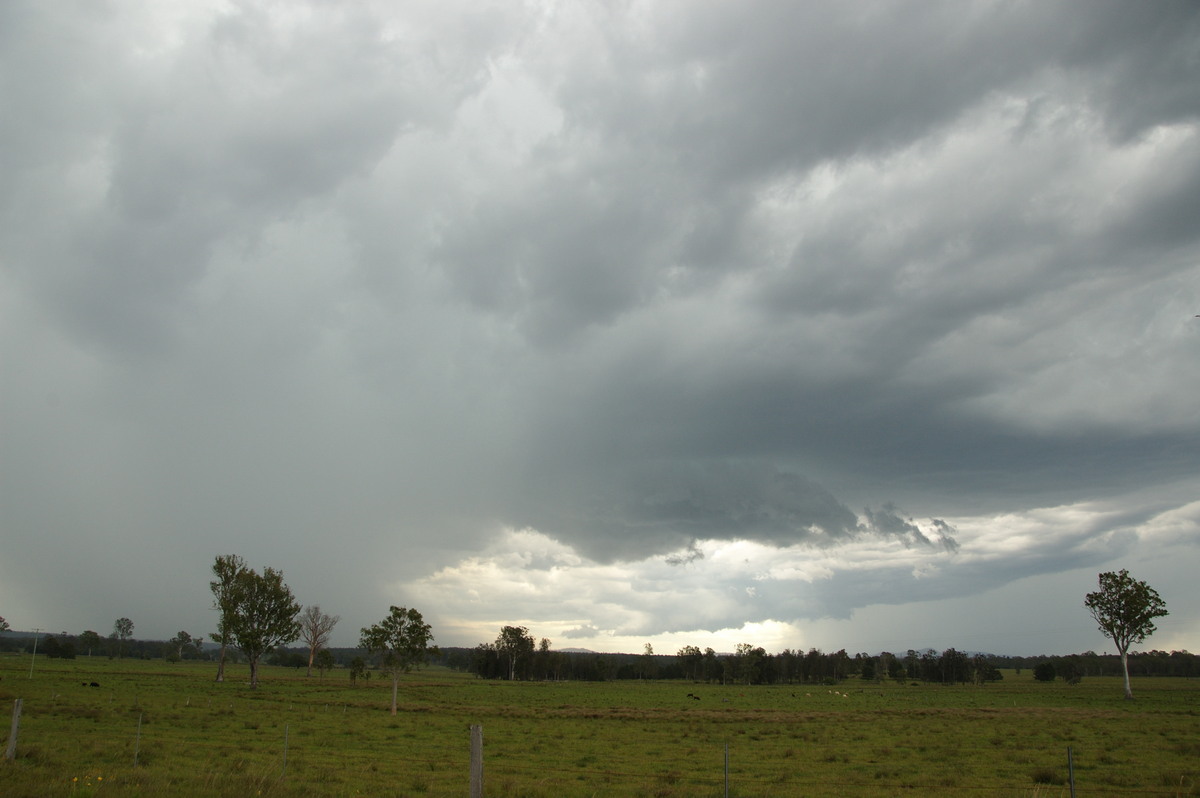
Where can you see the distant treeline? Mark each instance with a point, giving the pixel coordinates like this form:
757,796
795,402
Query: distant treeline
748,665
63,645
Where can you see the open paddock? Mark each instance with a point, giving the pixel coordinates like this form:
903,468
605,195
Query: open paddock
328,737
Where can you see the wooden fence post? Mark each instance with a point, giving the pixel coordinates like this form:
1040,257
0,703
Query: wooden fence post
727,769
137,741
476,761
16,727
1071,771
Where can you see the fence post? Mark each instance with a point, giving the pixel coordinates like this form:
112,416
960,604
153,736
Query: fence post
1071,771
12,735
137,742
476,761
726,769
285,742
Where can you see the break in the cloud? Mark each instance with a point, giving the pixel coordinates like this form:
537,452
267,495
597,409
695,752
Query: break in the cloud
661,321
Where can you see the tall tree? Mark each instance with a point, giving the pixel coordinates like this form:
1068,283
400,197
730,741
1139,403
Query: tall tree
122,631
89,640
315,629
689,658
226,569
1125,609
3,624
264,615
515,645
182,643
647,671
402,639
542,659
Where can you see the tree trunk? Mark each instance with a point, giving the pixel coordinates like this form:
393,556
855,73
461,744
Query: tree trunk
254,673
221,665
1125,670
312,653
395,688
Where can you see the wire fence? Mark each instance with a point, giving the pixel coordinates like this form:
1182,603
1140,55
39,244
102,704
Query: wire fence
329,748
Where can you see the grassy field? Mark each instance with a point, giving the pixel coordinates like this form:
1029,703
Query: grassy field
191,736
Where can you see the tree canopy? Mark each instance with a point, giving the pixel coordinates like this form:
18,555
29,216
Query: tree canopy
402,640
226,569
122,631
263,615
1125,608
315,629
515,644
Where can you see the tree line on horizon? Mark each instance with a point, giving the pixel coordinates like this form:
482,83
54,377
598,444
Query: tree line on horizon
597,666
259,617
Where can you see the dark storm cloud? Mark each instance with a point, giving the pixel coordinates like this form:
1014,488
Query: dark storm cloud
368,285
652,508
615,227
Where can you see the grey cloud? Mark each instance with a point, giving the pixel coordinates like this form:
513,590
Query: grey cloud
691,555
214,139
888,523
1133,50
660,507
582,632
946,536
283,278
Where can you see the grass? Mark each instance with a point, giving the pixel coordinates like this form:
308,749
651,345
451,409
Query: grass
583,739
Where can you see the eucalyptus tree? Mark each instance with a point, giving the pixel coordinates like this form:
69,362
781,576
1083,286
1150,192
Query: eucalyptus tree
183,643
402,640
515,645
315,629
264,616
690,659
1125,609
89,640
122,631
226,569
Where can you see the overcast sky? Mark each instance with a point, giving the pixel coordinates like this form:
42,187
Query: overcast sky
848,325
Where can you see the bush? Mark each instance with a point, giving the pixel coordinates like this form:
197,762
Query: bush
1045,672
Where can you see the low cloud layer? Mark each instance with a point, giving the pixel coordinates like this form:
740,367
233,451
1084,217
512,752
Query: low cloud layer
716,319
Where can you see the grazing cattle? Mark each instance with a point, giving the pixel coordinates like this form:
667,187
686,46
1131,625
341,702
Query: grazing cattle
95,684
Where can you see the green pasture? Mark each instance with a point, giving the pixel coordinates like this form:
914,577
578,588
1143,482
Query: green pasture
192,736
